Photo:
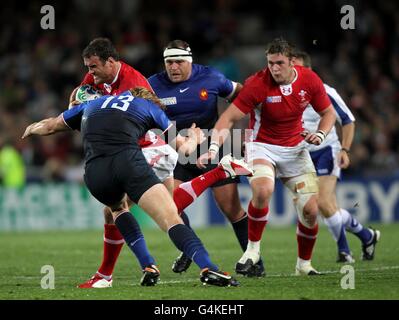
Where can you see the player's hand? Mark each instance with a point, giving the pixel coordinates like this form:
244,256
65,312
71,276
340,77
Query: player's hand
27,132
315,138
205,159
74,103
195,133
343,159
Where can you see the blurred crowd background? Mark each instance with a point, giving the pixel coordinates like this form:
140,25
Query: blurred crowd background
40,68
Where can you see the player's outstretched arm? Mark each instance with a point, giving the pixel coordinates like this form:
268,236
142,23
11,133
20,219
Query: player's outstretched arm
220,132
187,145
46,127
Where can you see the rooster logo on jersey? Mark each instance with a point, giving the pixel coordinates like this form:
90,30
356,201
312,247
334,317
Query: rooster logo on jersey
203,94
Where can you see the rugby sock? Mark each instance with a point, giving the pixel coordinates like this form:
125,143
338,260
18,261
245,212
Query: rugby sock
240,228
187,192
185,219
131,232
257,220
337,229
353,226
185,240
306,239
113,243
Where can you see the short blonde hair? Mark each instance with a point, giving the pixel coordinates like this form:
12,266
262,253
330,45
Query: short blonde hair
144,93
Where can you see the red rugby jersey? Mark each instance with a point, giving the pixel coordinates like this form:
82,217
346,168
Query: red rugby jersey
278,118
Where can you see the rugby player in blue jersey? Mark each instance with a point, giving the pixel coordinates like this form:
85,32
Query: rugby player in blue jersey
190,92
115,168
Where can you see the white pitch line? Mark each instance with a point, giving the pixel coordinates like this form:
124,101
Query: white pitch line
281,275
268,275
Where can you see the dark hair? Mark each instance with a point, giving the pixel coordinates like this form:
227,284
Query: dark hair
102,48
178,44
305,57
280,45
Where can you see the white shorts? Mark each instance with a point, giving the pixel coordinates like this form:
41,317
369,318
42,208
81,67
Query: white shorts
288,161
162,159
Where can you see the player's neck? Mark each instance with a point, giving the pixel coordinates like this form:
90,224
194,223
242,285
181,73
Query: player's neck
291,77
115,73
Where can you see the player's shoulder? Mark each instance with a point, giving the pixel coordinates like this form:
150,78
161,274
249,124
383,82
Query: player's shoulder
258,78
307,78
128,69
157,78
306,73
200,70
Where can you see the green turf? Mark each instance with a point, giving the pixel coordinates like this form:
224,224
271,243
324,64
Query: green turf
75,255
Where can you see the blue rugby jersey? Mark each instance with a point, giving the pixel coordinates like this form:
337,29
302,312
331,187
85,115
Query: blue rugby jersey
311,119
193,100
111,124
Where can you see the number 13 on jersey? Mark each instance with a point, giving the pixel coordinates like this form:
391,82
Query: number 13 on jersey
121,102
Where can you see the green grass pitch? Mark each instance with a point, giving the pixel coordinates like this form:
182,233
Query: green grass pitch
75,255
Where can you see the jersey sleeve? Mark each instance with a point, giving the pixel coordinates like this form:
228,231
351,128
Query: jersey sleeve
73,117
320,99
225,86
247,99
344,115
159,116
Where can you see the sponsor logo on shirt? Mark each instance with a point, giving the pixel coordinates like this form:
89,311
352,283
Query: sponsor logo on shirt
203,94
286,90
168,101
273,99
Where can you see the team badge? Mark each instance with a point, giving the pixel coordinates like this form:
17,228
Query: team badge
203,94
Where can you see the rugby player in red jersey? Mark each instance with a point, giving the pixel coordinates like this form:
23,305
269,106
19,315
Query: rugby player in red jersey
276,97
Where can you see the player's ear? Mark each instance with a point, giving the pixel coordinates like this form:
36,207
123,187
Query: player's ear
110,60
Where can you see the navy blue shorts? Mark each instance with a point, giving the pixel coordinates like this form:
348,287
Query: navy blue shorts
325,162
109,178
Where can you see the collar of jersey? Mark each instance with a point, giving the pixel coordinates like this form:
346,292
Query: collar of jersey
116,76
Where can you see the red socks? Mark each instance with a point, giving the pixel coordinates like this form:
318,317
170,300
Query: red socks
257,220
187,192
306,239
113,242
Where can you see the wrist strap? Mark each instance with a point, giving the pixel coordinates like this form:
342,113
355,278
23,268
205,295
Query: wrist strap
321,135
214,147
346,150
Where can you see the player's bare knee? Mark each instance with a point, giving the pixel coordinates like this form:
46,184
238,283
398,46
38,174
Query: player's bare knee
262,195
108,218
311,208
